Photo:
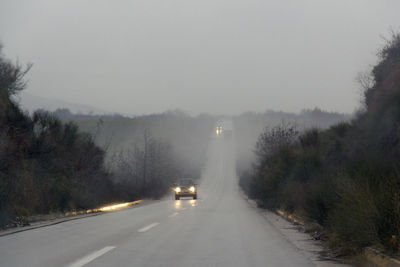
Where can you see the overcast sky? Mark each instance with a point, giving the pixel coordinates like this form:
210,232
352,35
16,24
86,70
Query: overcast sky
215,56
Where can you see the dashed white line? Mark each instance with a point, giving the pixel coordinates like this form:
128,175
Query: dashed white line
173,214
148,227
85,260
183,208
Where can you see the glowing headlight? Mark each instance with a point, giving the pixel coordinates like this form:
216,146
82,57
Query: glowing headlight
178,189
192,188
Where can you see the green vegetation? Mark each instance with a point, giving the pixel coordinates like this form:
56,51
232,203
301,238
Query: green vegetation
345,178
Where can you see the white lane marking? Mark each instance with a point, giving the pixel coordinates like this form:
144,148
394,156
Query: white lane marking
148,227
183,208
173,215
85,260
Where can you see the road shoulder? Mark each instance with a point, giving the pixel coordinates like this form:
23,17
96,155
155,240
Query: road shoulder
304,242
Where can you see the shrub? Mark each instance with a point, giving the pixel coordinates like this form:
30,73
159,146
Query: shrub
345,178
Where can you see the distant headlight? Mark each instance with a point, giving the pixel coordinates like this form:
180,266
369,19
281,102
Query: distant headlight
192,188
178,189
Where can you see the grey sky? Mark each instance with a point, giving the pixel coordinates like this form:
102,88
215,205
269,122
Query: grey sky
216,56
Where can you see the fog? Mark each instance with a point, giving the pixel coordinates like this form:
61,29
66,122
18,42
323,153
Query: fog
188,138
219,56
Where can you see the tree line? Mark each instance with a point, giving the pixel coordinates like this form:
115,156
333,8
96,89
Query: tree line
345,179
48,164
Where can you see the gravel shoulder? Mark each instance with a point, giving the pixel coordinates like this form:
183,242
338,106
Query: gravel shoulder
304,242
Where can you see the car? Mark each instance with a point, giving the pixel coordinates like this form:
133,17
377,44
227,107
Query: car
185,188
219,130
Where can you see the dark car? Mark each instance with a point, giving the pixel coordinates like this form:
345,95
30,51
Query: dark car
185,188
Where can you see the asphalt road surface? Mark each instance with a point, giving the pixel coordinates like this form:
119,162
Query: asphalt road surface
217,229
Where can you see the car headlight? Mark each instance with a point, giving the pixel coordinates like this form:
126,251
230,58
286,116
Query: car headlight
178,189
192,189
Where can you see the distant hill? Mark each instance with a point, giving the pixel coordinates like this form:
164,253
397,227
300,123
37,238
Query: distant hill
31,102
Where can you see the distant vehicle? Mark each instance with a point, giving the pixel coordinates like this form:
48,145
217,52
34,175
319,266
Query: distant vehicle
185,188
219,130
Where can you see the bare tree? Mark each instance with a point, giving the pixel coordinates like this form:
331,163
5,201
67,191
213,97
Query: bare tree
146,140
275,138
366,80
11,76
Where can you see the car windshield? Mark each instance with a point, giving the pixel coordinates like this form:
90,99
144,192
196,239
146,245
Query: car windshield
186,182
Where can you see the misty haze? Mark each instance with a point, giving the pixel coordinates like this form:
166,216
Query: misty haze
209,133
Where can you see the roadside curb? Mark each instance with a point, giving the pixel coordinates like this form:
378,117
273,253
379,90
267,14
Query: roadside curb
44,224
55,221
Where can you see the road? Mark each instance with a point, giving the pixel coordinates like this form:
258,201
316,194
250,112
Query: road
218,229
